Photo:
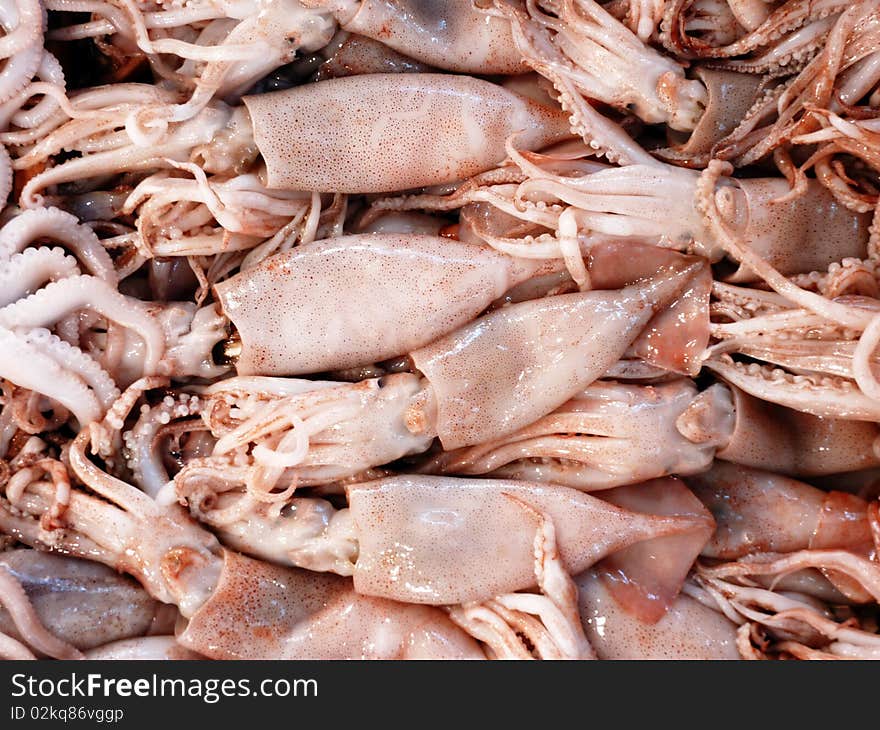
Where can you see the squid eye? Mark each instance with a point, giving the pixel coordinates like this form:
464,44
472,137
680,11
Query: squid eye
227,352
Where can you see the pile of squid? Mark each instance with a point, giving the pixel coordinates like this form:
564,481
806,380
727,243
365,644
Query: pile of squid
462,329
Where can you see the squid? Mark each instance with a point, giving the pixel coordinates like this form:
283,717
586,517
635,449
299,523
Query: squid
624,313
609,435
236,46
841,73
761,513
295,283
689,629
174,214
272,434
646,578
616,433
801,358
600,58
391,294
22,50
239,43
465,399
758,511
447,34
181,564
289,613
641,16
587,53
783,36
777,623
67,331
350,54
388,537
296,338
82,603
524,625
730,96
324,432
774,622
305,147
454,127
561,204
665,203
836,138
786,441
305,432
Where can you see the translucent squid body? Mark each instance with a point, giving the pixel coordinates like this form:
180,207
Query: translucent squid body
416,272
586,51
616,433
787,517
82,603
451,127
178,562
428,129
390,294
667,204
446,34
241,42
181,564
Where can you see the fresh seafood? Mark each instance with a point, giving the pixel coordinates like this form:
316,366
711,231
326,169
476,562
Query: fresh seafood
467,329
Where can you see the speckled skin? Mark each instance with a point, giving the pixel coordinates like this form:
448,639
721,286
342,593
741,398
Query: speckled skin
757,511
86,604
689,630
262,611
386,132
645,578
426,539
785,441
508,368
797,236
357,300
447,34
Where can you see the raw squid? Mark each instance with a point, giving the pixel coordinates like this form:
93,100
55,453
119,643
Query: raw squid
396,329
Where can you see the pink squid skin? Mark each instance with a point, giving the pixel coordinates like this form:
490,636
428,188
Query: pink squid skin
446,34
612,434
237,607
488,378
645,578
425,539
785,441
730,96
358,55
799,235
343,135
674,339
805,234
262,611
688,630
757,511
83,603
516,364
356,300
